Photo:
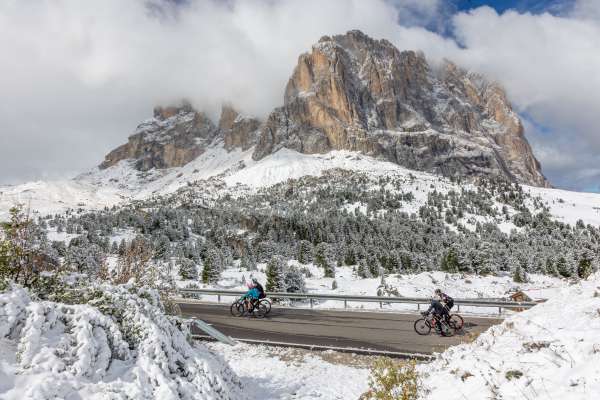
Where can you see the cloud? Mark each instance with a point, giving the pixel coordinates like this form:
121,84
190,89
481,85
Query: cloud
548,65
76,77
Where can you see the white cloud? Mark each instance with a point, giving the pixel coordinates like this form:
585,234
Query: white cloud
76,77
549,66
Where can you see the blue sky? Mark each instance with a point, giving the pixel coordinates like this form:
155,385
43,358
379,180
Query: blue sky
534,6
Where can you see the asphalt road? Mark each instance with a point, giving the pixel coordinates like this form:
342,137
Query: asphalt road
380,331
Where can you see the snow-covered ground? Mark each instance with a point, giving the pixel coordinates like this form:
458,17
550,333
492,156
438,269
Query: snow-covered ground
122,183
409,285
549,352
271,373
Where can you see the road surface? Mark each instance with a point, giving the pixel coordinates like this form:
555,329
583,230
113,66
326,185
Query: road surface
380,331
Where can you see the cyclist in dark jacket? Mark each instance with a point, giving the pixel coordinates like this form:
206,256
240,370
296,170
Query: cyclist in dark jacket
446,300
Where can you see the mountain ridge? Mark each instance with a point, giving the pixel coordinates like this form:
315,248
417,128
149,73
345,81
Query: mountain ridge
351,92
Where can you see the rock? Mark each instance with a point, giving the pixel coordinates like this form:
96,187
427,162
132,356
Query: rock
237,131
355,93
175,136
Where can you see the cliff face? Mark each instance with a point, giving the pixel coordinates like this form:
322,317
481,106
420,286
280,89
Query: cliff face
355,93
177,135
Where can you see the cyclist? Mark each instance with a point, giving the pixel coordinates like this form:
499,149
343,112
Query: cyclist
447,302
258,286
253,293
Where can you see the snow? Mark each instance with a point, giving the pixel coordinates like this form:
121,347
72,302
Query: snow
569,207
554,347
235,171
272,373
118,345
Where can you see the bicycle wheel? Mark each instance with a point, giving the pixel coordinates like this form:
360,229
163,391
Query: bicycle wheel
237,309
445,329
422,327
261,309
267,304
456,322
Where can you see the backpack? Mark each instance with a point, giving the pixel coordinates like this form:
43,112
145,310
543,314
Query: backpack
449,302
261,291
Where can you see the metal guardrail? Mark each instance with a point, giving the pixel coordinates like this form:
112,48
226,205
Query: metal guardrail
368,299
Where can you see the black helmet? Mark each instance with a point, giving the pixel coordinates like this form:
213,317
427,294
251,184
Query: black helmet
254,280
438,291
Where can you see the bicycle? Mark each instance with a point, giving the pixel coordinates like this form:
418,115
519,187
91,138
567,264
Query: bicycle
424,325
243,306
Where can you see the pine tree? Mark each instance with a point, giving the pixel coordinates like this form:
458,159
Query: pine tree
294,281
450,261
187,269
362,270
584,266
211,271
324,258
519,276
275,275
563,267
305,250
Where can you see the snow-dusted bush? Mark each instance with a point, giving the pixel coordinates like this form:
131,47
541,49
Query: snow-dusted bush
118,345
393,380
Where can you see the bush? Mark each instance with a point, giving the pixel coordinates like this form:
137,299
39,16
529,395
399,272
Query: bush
393,380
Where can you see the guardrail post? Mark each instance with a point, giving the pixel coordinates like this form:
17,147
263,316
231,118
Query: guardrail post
311,302
458,308
380,304
345,303
419,306
499,310
218,298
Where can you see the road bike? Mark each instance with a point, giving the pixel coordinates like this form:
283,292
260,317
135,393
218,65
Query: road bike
430,321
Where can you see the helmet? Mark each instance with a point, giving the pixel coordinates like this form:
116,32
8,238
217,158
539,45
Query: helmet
438,291
254,280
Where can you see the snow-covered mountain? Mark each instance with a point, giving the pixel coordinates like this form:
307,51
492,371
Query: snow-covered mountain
358,94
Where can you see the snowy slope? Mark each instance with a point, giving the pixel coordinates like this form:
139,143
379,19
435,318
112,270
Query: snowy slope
549,352
121,183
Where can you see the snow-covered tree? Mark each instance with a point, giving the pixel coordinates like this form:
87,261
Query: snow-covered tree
325,259
276,274
211,270
187,269
294,280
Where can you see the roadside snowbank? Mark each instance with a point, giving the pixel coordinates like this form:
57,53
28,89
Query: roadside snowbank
271,373
119,345
549,352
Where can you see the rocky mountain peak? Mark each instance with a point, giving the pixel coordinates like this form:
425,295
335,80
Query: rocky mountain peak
177,134
352,92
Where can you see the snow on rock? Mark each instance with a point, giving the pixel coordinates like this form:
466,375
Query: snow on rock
550,351
120,345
